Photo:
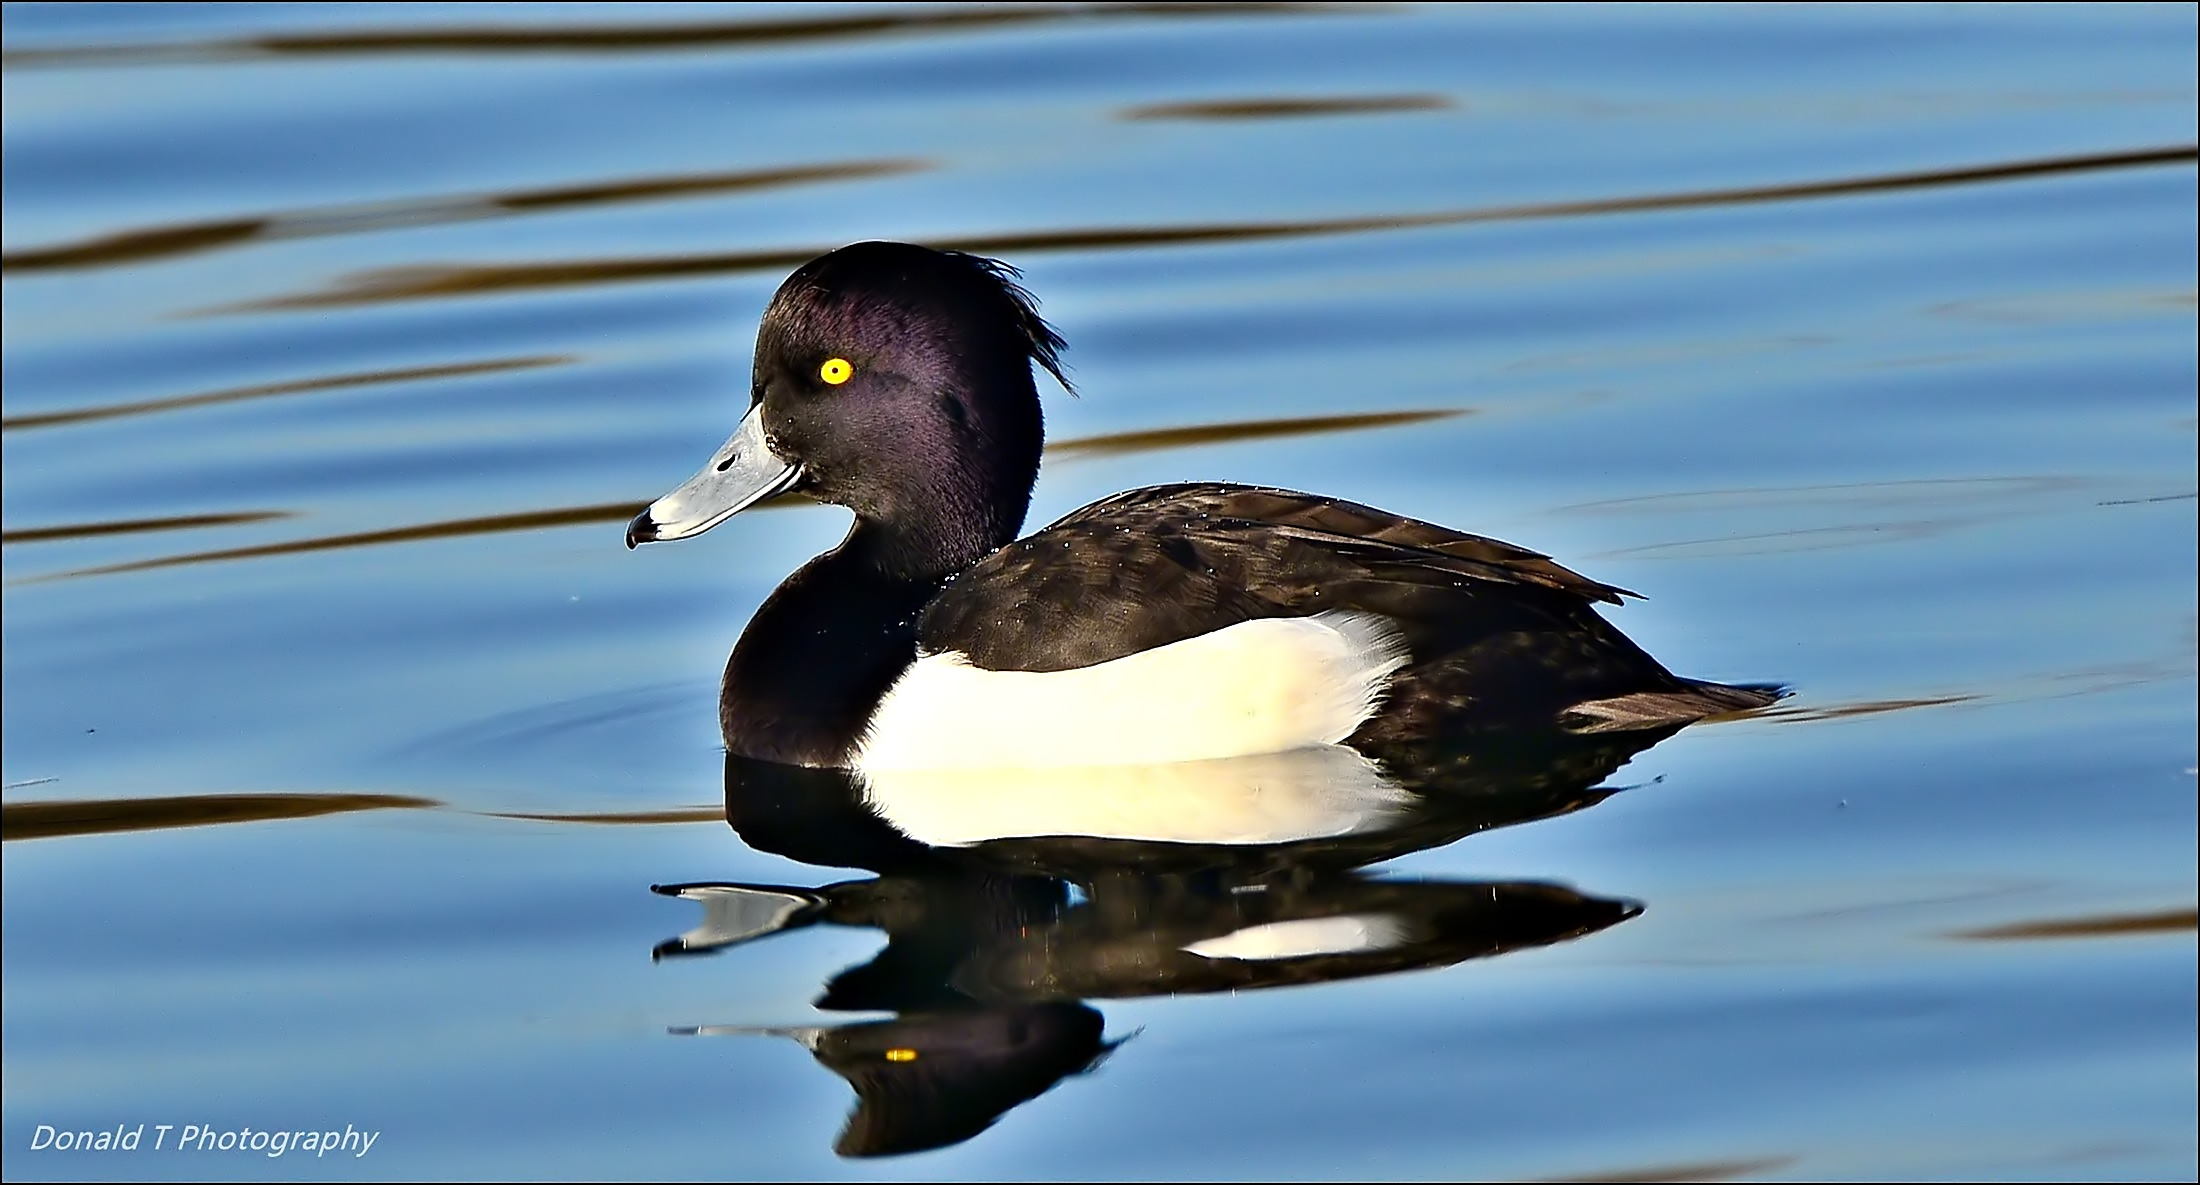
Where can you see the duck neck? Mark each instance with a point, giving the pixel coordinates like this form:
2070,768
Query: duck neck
927,549
828,643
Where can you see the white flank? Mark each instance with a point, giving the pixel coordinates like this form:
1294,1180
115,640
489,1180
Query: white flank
1345,934
1271,798
1263,686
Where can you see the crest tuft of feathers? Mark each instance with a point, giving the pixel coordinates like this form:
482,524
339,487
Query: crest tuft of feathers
1044,344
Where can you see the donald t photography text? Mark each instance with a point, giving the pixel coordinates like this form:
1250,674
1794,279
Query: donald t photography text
200,1137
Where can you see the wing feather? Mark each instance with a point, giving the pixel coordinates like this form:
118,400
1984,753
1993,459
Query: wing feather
1152,566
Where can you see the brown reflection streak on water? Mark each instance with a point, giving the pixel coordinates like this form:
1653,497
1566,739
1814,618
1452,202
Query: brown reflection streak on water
639,38
424,282
2186,497
46,820
1775,542
1286,108
102,816
131,246
601,512
1965,501
297,387
157,242
1702,1170
2167,921
1112,444
1907,492
700,814
128,526
1865,708
1153,439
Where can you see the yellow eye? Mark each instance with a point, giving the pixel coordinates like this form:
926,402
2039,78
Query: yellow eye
836,371
901,1055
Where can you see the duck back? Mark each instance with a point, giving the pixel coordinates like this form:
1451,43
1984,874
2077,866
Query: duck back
1493,634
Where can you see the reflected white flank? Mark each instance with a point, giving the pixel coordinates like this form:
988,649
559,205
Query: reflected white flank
1271,798
1344,934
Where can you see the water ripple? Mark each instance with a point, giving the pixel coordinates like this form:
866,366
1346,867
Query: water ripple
527,520
131,526
626,38
1281,107
1705,1170
186,238
2167,921
1148,440
96,816
423,282
334,382
105,816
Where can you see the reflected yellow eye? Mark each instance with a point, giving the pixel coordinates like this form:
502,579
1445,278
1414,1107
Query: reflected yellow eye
836,371
899,1055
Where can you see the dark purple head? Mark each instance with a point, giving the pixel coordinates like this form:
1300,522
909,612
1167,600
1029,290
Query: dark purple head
894,380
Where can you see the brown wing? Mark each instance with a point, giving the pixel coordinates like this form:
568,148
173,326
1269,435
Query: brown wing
1346,524
1152,566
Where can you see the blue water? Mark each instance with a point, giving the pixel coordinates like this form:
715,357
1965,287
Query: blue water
340,341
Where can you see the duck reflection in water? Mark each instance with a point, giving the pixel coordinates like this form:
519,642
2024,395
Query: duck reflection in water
1009,899
1204,704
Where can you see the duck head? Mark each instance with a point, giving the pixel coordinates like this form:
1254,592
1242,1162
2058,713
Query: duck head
894,380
